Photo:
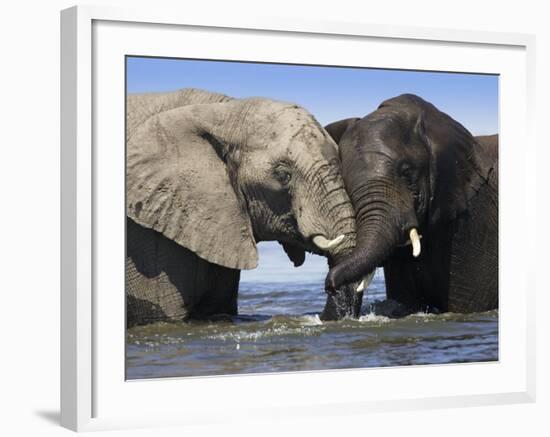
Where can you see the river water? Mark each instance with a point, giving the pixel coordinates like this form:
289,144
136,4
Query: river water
278,330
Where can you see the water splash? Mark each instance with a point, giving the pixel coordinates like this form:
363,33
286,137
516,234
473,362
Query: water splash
374,318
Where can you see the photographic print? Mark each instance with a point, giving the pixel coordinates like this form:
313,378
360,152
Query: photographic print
284,218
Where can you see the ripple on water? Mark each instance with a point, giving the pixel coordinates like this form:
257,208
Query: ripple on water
279,330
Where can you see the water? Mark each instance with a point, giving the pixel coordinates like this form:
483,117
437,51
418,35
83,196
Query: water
278,330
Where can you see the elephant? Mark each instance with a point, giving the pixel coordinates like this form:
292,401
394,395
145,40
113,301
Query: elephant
207,178
425,192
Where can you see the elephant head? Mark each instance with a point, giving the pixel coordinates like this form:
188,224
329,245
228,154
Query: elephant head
216,175
407,167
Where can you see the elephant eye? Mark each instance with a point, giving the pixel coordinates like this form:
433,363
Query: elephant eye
283,176
406,171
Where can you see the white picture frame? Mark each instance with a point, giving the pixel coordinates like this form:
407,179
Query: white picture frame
92,391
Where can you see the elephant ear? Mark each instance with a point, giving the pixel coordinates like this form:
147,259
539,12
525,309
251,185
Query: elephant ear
459,166
337,129
140,107
179,184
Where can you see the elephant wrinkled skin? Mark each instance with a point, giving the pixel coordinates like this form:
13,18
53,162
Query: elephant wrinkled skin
209,176
425,193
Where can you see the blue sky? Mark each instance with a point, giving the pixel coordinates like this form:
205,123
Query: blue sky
330,94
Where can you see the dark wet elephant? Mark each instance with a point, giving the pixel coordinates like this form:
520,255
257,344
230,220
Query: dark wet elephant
208,177
425,193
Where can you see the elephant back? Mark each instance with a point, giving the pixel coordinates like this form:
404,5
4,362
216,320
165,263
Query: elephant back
489,144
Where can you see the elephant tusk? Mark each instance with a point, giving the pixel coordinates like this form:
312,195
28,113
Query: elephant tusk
408,242
325,244
415,240
365,282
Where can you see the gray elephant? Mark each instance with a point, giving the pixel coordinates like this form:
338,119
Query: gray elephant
413,172
209,176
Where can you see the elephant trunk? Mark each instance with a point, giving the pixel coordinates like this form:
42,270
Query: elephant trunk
375,246
335,234
384,218
345,302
